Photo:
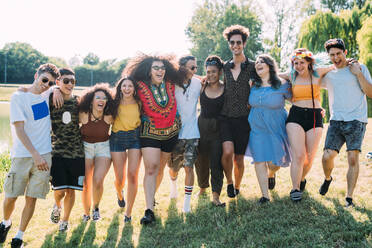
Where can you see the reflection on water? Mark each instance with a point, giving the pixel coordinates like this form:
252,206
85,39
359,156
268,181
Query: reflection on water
5,137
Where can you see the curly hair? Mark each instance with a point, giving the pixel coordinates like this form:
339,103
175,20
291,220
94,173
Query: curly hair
117,95
274,80
139,68
236,29
48,68
307,58
214,60
86,99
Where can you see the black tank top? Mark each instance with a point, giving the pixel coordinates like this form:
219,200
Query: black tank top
211,107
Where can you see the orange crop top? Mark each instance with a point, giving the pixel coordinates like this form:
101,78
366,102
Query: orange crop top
303,92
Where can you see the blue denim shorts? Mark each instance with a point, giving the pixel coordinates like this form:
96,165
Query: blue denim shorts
124,140
339,132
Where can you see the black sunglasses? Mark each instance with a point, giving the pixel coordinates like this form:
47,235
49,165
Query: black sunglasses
68,80
46,80
238,42
193,67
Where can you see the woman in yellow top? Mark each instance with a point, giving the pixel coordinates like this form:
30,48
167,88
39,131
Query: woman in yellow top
125,142
305,122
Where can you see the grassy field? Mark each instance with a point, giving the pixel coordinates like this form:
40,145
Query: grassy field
315,222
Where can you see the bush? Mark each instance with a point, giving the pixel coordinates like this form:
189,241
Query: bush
4,167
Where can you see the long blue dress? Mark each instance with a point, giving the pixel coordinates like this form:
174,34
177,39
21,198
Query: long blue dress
268,139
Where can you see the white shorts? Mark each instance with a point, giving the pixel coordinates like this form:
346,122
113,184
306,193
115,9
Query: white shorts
99,149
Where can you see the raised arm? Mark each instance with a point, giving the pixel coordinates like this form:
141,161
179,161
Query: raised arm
364,77
285,76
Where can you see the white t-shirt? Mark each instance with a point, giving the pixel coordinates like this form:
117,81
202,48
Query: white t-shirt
33,110
347,101
186,107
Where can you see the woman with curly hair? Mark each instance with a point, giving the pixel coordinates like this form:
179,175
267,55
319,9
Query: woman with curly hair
125,143
95,114
268,144
305,122
155,78
210,144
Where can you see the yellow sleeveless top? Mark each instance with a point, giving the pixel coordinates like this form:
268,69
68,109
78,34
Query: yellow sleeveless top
303,92
128,118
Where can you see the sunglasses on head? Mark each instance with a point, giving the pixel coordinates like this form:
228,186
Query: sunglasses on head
157,68
69,80
213,62
233,42
46,80
335,42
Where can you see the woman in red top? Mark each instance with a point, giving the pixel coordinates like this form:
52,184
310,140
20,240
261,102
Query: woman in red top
155,78
95,115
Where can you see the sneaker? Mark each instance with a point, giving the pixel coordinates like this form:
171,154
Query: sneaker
230,191
349,202
127,219
63,226
86,218
4,232
55,215
263,200
95,215
271,181
121,203
324,188
148,218
302,185
16,243
296,195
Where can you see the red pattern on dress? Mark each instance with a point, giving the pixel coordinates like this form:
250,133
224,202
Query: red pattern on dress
159,116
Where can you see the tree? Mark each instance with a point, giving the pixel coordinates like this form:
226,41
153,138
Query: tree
91,59
59,62
364,38
211,18
22,61
338,5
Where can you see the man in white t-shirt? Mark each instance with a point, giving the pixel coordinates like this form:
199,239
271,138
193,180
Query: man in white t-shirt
185,152
31,151
347,87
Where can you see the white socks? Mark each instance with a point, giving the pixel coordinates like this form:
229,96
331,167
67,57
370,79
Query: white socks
7,222
19,235
173,189
186,203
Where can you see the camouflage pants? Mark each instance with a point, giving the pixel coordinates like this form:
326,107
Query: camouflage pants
184,154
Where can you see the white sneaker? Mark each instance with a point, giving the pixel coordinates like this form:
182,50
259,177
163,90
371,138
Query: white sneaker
55,215
63,226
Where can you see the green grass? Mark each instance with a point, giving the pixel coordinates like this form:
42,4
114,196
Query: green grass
4,167
315,222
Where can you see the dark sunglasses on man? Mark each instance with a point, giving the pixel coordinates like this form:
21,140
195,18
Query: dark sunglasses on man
69,80
46,80
238,42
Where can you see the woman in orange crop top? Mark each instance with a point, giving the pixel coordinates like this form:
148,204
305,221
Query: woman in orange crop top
95,115
305,122
125,143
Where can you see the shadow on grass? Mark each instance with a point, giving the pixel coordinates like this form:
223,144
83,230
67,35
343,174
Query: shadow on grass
245,223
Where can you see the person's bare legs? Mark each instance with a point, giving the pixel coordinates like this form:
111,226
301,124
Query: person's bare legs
312,141
296,136
151,159
8,207
86,195
101,167
261,173
272,169
119,163
163,162
134,160
27,212
227,160
328,162
238,170
352,172
68,203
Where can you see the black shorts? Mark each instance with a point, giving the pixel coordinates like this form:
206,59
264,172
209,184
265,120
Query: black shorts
305,117
164,145
67,173
237,131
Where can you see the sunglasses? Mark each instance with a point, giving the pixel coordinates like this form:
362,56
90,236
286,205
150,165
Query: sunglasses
101,98
157,68
213,62
193,67
335,42
69,80
46,80
238,42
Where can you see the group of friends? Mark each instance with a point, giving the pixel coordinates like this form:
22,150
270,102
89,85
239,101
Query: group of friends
152,114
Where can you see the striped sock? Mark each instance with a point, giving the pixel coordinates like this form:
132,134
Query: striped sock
186,203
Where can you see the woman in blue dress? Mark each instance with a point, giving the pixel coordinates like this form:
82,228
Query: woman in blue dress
268,143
